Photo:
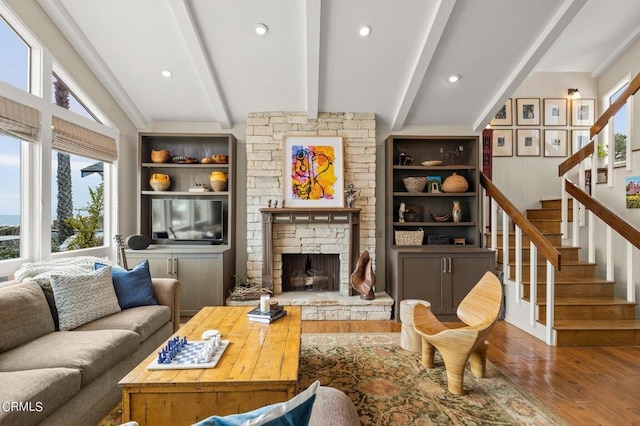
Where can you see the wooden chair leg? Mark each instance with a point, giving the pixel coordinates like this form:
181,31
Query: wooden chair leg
428,353
478,360
455,373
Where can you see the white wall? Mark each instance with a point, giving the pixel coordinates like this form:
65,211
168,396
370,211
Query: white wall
613,195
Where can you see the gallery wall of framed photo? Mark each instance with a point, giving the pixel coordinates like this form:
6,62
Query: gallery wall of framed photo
542,127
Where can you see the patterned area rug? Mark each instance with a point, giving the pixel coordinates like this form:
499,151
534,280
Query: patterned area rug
389,385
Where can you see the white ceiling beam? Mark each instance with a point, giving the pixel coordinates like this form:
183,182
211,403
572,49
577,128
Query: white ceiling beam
201,61
63,20
313,15
557,24
434,32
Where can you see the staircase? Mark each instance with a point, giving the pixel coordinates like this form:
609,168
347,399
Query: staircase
586,311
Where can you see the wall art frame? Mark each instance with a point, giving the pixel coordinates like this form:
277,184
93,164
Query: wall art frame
528,142
504,116
313,171
555,143
583,112
528,111
579,139
503,143
554,111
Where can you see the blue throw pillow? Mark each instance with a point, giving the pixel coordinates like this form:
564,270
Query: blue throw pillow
295,412
133,288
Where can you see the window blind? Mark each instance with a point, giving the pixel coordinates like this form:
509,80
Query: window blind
74,139
19,120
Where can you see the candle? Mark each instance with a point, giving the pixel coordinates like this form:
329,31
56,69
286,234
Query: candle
265,300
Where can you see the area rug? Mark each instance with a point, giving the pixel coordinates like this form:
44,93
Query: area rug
389,385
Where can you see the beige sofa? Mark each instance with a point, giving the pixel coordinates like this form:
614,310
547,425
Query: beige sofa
71,377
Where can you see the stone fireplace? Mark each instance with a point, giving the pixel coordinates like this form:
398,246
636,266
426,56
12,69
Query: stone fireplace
310,272
297,235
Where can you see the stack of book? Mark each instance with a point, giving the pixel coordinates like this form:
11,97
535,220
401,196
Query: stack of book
266,317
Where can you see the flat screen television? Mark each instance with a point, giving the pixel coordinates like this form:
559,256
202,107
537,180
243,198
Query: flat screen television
187,220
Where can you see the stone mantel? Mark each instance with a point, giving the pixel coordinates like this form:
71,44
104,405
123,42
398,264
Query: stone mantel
309,215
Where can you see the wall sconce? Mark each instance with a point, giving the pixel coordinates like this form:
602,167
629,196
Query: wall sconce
574,93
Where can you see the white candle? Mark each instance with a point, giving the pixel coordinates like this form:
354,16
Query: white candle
265,301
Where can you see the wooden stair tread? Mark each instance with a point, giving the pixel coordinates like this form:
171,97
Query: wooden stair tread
564,263
513,233
586,300
596,325
571,280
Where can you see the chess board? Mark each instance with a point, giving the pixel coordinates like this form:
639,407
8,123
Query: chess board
186,358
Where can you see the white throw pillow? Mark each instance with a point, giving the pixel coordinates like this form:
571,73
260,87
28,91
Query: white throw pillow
82,298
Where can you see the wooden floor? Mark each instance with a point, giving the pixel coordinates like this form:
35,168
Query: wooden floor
585,386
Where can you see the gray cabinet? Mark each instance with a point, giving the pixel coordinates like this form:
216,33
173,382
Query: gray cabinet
443,279
200,275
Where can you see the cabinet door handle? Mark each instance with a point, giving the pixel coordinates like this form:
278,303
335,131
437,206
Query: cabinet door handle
443,262
169,267
175,267
449,264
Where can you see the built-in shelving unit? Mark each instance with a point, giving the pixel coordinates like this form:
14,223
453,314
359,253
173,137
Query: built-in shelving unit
449,261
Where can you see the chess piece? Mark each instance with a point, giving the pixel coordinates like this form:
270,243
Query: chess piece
363,279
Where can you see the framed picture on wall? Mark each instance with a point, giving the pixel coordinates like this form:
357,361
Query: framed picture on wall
503,143
528,111
503,117
528,142
555,143
579,139
555,111
313,171
583,112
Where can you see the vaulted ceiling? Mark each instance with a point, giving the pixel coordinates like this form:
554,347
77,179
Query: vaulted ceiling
313,59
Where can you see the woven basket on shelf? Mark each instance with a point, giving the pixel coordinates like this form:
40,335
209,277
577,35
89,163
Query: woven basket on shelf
409,238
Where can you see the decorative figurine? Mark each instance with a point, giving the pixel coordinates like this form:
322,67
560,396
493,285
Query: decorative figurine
456,213
350,192
363,279
401,212
404,159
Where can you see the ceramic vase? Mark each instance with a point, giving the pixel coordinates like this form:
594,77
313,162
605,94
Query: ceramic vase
456,212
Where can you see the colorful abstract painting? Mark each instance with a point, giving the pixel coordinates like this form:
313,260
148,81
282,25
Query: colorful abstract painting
313,172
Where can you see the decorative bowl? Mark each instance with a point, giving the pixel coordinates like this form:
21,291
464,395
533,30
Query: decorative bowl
415,184
455,183
432,163
181,159
440,218
161,156
220,158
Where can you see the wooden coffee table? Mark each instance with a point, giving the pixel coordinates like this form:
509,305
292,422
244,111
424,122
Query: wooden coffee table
259,367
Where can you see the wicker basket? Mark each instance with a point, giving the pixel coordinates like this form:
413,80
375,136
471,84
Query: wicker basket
409,238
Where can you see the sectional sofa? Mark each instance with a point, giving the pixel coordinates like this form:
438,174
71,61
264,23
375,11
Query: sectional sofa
52,375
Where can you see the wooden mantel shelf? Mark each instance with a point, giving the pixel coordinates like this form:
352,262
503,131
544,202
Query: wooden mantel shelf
312,215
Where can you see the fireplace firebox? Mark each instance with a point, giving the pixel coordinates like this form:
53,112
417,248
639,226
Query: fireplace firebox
310,272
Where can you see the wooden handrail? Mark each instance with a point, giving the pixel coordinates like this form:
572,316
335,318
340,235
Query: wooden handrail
625,230
544,246
576,158
633,87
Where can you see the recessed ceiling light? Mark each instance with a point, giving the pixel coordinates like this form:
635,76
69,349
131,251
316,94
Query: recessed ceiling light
261,29
454,78
166,73
365,30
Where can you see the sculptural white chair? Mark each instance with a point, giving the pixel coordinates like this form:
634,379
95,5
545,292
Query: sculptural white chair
479,311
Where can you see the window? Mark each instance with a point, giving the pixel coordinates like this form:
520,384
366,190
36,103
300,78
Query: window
618,131
71,148
14,57
10,197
